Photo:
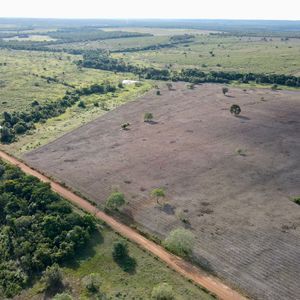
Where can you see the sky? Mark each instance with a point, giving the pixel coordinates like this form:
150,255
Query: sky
128,9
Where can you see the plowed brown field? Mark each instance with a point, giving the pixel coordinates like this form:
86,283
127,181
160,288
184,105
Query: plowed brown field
232,177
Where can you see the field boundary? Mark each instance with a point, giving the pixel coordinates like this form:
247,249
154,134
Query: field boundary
179,265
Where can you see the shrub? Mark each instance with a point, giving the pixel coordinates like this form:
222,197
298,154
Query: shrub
115,200
180,241
92,283
158,194
225,90
125,126
162,291
148,117
120,250
297,200
52,277
19,128
63,296
81,104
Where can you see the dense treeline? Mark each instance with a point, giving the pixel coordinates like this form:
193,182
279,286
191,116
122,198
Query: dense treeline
100,60
37,228
174,40
17,123
62,36
83,34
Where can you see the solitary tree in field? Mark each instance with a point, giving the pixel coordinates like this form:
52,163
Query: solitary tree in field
225,90
235,109
115,200
180,241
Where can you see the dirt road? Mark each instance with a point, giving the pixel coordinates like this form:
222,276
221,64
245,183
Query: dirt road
176,263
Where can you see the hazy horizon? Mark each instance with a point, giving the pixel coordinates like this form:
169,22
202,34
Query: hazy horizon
155,9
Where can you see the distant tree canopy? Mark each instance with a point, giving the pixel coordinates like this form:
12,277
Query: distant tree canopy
102,60
37,229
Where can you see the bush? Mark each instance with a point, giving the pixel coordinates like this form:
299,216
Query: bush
163,291
148,117
19,128
180,241
52,277
92,283
81,104
225,90
120,250
115,200
63,296
297,200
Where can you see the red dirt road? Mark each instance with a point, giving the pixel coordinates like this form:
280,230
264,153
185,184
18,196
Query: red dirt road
184,268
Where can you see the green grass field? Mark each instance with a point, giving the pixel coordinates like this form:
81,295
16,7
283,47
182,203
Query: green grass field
115,282
226,53
19,86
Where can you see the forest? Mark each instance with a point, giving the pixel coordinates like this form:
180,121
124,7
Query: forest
37,229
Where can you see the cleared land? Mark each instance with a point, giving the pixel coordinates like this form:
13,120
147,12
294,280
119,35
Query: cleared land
232,177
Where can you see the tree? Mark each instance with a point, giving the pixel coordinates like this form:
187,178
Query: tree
19,128
115,200
180,241
148,117
52,277
163,291
158,194
235,109
6,135
120,250
225,90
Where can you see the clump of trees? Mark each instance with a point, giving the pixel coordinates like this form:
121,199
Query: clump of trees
37,229
180,241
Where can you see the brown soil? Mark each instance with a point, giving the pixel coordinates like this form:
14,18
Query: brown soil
182,267
232,176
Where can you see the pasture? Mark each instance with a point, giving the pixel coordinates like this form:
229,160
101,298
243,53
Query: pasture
226,53
116,283
231,179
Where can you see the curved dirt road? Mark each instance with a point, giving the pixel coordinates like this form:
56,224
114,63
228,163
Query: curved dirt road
184,268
